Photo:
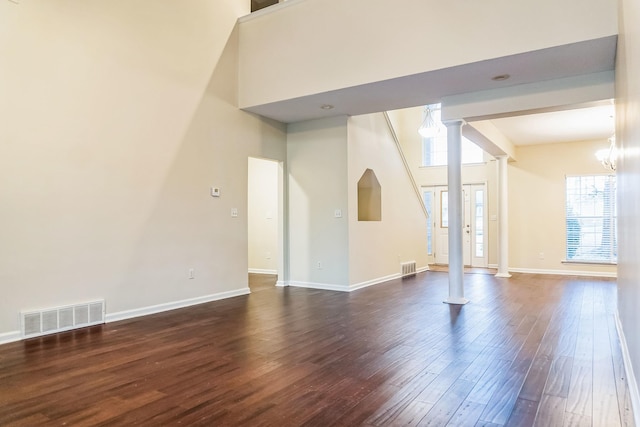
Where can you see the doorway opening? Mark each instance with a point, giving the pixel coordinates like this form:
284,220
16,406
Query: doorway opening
264,228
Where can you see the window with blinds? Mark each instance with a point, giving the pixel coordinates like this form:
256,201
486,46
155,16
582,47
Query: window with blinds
591,219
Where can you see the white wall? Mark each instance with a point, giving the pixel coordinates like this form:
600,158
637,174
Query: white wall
262,216
628,137
117,118
376,248
314,46
325,160
317,171
537,218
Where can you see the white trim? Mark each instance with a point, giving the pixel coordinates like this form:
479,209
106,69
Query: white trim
372,282
262,271
354,287
492,266
282,284
7,337
564,272
144,311
322,286
628,368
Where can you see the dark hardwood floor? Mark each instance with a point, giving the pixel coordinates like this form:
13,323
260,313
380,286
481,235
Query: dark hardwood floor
530,350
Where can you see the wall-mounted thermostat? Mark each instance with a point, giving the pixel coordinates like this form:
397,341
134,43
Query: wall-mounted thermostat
215,192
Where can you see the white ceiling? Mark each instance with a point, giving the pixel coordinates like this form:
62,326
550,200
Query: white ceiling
581,124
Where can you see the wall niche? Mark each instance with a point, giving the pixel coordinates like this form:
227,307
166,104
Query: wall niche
369,197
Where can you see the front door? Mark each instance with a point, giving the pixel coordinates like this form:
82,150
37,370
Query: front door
473,223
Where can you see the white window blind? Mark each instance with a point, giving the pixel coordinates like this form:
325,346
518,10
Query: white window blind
591,218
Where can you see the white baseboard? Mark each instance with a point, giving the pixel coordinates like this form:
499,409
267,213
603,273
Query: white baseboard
628,368
350,288
262,271
7,337
564,272
322,286
492,265
372,282
144,311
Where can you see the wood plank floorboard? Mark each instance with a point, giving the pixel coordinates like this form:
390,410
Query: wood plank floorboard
529,350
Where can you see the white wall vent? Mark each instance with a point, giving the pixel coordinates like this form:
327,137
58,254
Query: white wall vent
58,319
408,268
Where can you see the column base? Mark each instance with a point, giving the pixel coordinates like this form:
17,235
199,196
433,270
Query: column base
456,301
506,275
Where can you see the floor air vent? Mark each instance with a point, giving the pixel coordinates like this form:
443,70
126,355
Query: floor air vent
58,319
408,268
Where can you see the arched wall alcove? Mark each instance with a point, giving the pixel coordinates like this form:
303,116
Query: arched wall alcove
369,197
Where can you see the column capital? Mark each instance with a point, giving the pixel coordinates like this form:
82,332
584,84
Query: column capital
454,122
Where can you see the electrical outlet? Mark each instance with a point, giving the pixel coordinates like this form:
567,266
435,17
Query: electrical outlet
541,255
234,212
192,273
319,265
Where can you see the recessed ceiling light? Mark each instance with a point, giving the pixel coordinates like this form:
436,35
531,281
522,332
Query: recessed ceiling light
500,77
327,107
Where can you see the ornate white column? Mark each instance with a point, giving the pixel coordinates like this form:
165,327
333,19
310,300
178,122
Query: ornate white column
503,218
455,214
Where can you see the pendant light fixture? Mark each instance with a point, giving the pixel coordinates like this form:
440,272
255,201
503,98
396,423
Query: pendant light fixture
608,156
431,126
